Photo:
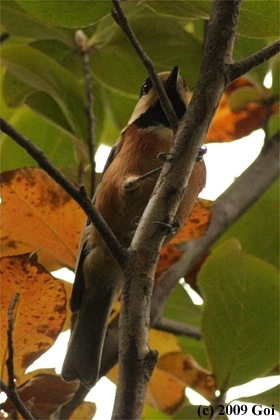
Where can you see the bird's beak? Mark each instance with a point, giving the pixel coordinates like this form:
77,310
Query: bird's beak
172,81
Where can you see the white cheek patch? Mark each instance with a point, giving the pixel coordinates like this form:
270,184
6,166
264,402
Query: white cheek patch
144,103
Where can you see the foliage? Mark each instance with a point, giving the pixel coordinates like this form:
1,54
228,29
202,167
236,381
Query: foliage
44,97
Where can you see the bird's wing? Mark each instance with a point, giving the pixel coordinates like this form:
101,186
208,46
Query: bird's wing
79,282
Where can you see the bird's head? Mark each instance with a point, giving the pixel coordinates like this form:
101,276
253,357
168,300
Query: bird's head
148,111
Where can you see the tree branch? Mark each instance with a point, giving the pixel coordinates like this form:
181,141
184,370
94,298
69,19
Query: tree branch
178,328
148,239
79,195
10,332
122,21
236,70
16,400
82,43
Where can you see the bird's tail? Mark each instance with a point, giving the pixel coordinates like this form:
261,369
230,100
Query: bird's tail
83,356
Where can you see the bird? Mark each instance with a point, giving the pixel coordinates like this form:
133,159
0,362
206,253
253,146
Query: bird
126,185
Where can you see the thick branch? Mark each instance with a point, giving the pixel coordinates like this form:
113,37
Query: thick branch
122,21
238,69
148,239
79,195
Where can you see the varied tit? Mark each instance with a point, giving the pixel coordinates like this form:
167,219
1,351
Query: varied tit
121,201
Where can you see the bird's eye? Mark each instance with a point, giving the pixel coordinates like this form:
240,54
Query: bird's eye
146,88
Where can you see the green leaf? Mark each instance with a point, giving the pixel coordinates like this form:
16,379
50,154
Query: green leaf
151,413
181,308
14,91
259,19
42,73
16,21
57,145
174,46
67,13
63,54
273,125
240,318
244,47
17,93
196,348
239,98
275,69
270,398
182,9
257,229
273,192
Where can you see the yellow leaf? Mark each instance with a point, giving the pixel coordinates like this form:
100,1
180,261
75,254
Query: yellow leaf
84,411
163,342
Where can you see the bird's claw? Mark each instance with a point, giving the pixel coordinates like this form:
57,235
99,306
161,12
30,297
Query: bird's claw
171,228
166,157
201,153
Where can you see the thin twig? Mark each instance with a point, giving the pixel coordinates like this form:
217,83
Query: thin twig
10,389
122,21
79,195
91,116
16,400
11,350
83,45
178,328
233,71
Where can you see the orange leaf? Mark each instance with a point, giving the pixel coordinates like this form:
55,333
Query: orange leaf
243,109
37,214
187,371
174,372
165,392
40,313
195,227
196,224
45,394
